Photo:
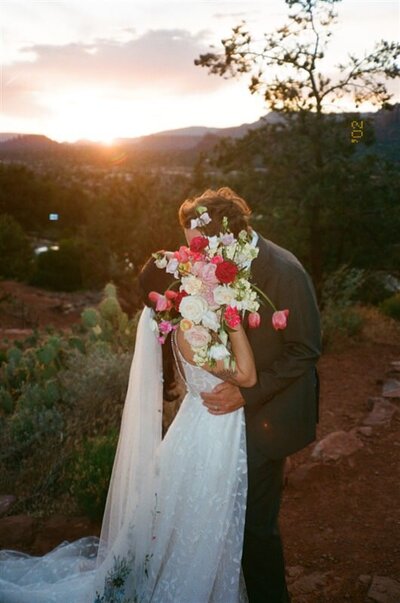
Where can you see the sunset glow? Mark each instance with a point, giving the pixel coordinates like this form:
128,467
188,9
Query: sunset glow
103,73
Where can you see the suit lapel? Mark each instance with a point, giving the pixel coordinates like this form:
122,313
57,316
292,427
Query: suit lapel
259,265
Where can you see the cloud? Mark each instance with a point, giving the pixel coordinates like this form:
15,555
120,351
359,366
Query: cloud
157,62
237,15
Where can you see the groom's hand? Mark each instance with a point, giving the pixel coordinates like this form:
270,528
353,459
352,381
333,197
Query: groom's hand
224,398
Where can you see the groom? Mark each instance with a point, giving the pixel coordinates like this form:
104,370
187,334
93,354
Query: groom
281,409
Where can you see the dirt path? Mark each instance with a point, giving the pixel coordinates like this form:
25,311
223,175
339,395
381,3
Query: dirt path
342,519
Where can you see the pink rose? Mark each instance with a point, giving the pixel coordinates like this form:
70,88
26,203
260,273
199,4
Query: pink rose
217,259
232,317
279,319
254,320
197,336
207,274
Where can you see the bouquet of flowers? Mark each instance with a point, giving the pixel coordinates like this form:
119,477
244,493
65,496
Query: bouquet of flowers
211,293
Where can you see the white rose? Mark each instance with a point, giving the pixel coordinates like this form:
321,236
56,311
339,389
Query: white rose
210,320
224,294
218,351
193,307
197,336
191,284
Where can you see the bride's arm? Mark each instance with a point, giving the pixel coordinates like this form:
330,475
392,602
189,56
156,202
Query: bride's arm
244,374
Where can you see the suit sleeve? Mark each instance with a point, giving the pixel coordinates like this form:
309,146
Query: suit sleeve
301,340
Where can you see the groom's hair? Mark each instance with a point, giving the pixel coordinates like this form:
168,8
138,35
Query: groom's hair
221,203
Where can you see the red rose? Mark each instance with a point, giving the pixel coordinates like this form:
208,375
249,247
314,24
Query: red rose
226,271
198,244
178,299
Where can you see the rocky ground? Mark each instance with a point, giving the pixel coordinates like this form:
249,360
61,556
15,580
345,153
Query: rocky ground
340,516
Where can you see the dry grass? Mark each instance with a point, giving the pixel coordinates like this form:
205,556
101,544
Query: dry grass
377,327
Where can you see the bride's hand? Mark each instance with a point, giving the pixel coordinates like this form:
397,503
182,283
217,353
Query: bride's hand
223,399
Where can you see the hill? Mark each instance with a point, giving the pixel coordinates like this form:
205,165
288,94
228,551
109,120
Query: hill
194,138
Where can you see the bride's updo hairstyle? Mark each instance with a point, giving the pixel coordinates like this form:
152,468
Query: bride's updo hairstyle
219,203
152,278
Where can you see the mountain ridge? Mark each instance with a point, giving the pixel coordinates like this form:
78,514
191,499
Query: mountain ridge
187,138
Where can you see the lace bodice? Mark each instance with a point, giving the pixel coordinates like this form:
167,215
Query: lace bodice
195,377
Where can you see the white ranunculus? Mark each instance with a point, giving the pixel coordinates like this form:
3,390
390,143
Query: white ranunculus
191,284
210,320
161,262
224,294
193,307
218,351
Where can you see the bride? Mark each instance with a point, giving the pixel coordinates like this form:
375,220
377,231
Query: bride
172,529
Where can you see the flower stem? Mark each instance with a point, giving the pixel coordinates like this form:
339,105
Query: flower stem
265,296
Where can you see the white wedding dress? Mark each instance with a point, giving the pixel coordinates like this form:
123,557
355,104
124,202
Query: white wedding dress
173,525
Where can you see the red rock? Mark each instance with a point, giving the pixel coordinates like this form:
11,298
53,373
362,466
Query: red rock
391,388
336,445
381,414
384,590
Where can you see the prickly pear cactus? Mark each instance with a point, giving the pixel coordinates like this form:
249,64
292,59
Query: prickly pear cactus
90,317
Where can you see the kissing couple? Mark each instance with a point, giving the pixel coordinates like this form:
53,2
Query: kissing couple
192,515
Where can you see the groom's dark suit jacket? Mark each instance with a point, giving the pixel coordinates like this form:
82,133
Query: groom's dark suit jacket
282,408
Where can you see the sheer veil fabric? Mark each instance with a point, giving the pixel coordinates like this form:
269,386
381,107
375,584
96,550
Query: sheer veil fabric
172,529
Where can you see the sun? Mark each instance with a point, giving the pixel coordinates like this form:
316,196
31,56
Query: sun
107,141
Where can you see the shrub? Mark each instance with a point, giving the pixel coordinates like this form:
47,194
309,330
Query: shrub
59,269
94,387
340,321
391,306
340,288
90,471
16,256
377,286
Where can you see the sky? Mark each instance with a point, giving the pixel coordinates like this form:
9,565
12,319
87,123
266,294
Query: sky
105,69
